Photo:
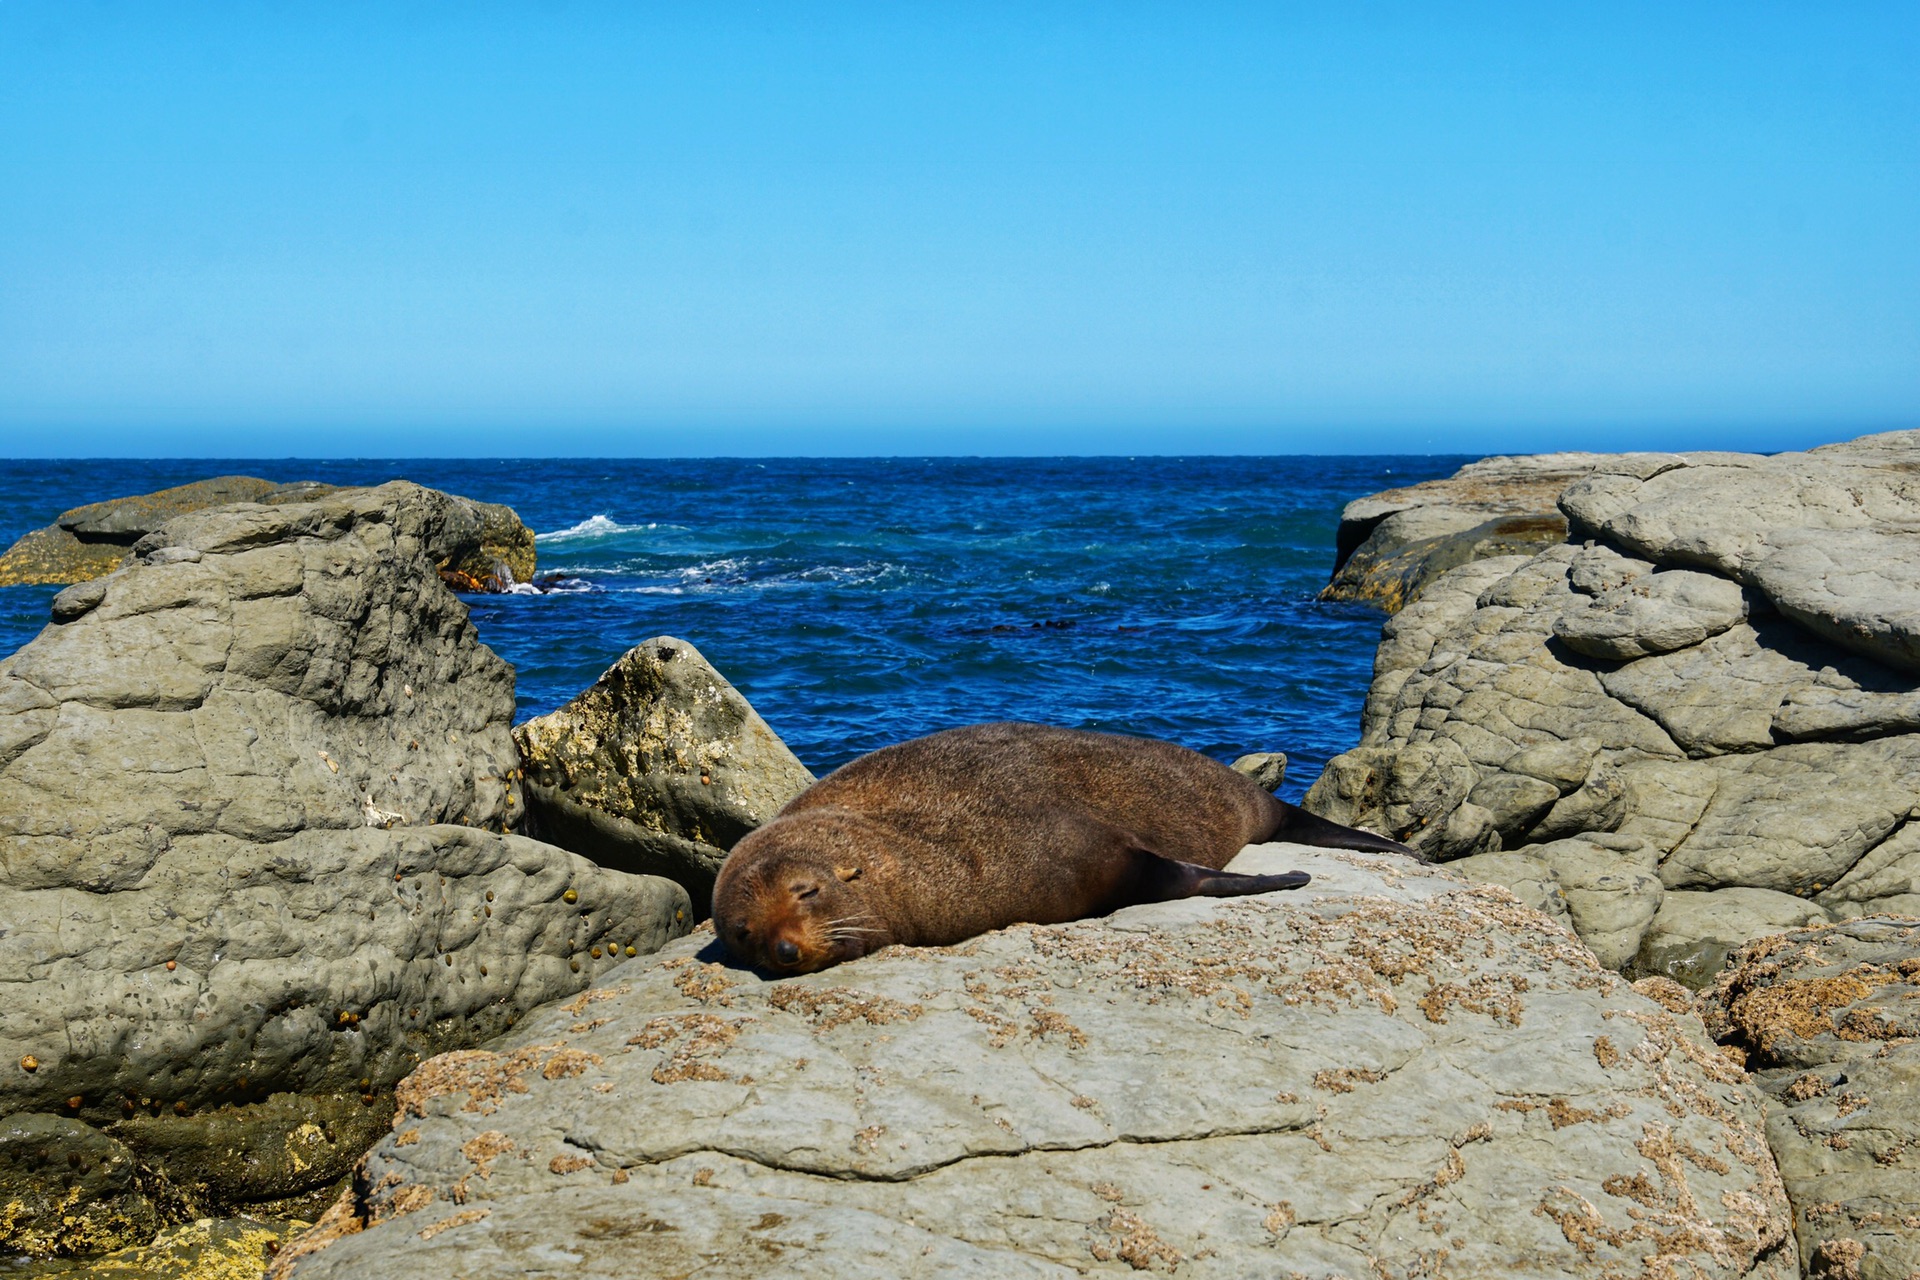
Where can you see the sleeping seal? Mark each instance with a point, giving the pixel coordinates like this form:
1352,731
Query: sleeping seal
948,836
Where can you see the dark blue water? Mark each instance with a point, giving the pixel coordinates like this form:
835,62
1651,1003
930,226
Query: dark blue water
860,602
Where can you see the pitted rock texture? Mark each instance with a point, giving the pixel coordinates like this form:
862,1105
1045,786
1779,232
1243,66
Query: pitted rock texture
1655,684
1830,1021
1389,1073
1392,544
92,541
256,791
660,767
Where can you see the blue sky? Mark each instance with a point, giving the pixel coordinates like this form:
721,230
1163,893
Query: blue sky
571,228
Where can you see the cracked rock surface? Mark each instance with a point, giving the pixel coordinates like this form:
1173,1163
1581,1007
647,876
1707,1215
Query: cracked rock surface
1389,1073
257,803
661,766
1830,1021
1716,673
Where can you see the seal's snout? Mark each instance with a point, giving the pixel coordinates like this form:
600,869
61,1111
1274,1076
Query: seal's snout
786,951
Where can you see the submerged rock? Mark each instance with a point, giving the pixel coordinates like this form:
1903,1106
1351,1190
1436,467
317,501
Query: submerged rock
660,767
1388,1072
257,796
1830,1021
1677,679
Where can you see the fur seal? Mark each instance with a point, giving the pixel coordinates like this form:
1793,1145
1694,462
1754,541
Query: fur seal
944,837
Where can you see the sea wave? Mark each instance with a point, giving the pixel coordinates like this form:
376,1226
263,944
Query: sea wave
599,526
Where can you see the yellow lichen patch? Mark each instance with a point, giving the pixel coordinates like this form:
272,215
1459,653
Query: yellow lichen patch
693,1036
1046,1023
591,995
483,1075
1801,1007
706,983
307,1137
342,1218
410,1198
484,1148
565,1164
1343,1079
1133,1242
830,1007
567,1063
460,1219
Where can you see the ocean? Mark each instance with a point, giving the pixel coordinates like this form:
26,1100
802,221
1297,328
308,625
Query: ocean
858,602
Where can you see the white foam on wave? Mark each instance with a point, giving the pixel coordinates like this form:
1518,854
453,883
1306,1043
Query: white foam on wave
600,526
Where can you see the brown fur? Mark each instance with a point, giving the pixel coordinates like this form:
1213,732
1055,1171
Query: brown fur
936,840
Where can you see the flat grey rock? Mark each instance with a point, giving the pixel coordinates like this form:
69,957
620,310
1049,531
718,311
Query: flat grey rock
1344,1080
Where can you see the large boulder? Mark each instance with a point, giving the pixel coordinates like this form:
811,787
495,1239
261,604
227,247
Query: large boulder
1831,537
93,540
257,803
1387,1073
1669,678
659,767
1830,1021
1391,545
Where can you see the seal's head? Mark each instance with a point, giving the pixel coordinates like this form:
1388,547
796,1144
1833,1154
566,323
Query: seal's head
793,896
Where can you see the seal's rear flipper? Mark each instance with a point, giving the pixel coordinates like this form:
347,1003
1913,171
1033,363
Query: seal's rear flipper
1159,879
1296,826
1231,884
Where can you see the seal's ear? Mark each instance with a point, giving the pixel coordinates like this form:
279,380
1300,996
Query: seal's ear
847,873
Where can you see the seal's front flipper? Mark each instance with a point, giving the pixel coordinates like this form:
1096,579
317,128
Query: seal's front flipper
1161,879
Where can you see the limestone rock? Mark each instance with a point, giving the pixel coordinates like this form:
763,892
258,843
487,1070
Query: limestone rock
1528,878
256,791
93,540
1406,794
1612,890
660,767
1342,1080
1831,536
1885,881
1654,614
1660,683
1830,1021
1799,817
1268,768
1694,932
1391,545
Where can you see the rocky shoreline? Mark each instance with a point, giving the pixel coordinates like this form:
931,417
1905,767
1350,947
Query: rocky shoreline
302,927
